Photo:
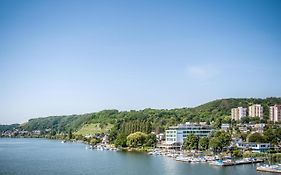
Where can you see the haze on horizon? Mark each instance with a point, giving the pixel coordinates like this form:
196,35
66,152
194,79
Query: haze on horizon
72,57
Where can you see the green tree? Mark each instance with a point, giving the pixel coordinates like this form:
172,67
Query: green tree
272,135
220,140
136,139
218,123
121,140
95,141
236,153
70,136
244,136
245,120
225,139
226,119
151,140
256,137
191,142
53,133
215,144
204,143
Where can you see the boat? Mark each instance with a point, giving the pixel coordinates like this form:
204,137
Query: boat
194,160
248,161
222,163
210,158
182,159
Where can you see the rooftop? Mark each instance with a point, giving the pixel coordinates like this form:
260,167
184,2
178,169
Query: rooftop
190,125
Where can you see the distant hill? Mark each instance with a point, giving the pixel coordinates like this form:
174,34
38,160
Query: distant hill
224,106
8,127
159,118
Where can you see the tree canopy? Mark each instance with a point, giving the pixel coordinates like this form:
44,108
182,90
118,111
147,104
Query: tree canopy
136,139
191,142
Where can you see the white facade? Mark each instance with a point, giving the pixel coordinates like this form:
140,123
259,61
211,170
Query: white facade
238,113
225,126
177,134
275,113
259,127
255,147
256,110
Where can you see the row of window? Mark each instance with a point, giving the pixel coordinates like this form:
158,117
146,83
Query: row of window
206,131
254,145
170,139
190,131
184,136
195,128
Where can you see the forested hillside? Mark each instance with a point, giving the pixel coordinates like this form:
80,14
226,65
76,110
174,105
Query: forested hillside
147,119
8,127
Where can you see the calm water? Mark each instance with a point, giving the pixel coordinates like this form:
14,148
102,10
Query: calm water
48,157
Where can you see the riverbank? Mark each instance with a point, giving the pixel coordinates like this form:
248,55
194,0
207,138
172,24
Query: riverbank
184,156
53,157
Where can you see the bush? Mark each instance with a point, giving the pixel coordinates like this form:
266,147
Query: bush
256,137
121,140
237,153
136,139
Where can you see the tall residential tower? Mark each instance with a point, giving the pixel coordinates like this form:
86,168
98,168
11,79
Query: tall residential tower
275,113
256,110
238,113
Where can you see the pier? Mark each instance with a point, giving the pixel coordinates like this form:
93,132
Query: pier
270,168
238,162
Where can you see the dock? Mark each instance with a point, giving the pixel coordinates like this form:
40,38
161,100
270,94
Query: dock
269,169
238,162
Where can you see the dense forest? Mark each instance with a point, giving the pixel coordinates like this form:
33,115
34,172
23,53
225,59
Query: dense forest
147,120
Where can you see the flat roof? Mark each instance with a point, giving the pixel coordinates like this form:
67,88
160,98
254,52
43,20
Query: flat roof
185,126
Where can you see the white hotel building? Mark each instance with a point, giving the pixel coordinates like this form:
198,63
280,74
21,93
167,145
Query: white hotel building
177,134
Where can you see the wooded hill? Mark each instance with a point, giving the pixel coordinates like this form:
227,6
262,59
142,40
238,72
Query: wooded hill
148,119
8,127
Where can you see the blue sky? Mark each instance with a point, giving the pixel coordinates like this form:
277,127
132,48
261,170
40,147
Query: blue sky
72,57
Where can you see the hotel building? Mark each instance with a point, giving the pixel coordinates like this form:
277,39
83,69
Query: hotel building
177,134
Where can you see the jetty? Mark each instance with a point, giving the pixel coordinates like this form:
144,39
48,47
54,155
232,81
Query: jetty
237,162
270,168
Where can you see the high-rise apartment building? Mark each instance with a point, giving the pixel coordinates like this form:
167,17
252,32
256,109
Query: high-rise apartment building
238,113
275,113
256,110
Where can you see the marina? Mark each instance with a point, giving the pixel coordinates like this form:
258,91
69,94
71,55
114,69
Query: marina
102,147
212,160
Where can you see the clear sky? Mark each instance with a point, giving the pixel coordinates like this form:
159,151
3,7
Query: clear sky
71,57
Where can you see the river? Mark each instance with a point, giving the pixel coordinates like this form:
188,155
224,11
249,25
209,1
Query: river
51,157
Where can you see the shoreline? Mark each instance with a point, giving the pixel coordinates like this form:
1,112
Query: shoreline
181,155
